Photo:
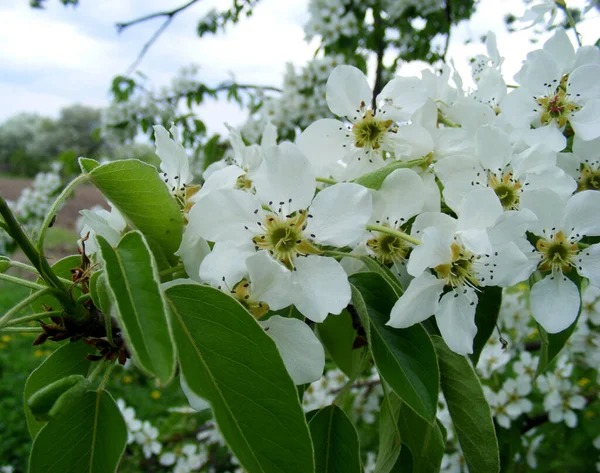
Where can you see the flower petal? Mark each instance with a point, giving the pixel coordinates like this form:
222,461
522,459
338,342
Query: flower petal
419,302
225,265
589,264
285,178
347,89
583,213
404,194
321,287
339,214
586,122
270,281
554,302
301,351
174,160
402,97
225,178
433,251
192,252
322,142
196,402
456,320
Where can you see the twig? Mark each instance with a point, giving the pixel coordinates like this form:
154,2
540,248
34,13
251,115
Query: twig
169,14
449,19
380,41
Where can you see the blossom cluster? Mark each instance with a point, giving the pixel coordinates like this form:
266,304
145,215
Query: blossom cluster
518,174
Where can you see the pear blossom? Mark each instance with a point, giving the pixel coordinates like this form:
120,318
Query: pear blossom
583,163
555,300
510,402
284,221
346,152
561,407
536,14
457,255
109,225
146,437
174,161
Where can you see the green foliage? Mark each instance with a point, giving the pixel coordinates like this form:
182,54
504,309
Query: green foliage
137,191
469,410
133,284
91,438
486,315
405,358
335,441
228,359
390,440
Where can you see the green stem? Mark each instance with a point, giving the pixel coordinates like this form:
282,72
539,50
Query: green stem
38,261
442,119
95,371
326,180
54,209
36,316
108,328
396,233
22,282
339,254
83,298
21,330
106,376
22,305
169,271
31,269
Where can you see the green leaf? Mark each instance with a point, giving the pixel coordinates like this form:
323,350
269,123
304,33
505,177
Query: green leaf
335,442
133,282
425,441
390,440
67,360
90,439
486,315
61,268
385,272
469,410
137,191
552,344
229,360
338,335
87,165
405,358
100,292
43,401
373,180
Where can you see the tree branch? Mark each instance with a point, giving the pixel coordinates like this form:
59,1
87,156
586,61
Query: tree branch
378,29
449,19
169,17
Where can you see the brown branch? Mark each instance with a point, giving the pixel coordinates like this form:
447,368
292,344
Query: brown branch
449,19
169,18
379,31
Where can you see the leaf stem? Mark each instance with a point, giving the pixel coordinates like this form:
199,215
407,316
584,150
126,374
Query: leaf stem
31,269
326,180
22,305
21,330
396,233
36,316
22,282
169,271
54,209
571,21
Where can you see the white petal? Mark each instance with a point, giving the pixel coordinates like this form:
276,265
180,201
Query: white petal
518,107
554,302
553,178
192,252
225,265
456,320
479,209
285,178
101,226
419,302
301,351
401,97
433,251
533,160
321,287
223,214
196,402
549,136
493,147
433,219
322,142
339,214
404,193
586,122
174,160
547,206
347,89
561,50
583,213
270,281
225,178
583,82
269,136
589,264
432,193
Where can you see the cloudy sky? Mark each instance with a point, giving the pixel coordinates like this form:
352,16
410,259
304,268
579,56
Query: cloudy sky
59,56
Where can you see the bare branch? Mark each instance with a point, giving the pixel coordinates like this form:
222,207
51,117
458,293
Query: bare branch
169,17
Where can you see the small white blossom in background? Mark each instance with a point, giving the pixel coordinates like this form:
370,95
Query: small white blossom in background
133,424
147,437
7,469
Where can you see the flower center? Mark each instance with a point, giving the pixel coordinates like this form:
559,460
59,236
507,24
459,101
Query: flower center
388,248
243,183
284,239
557,254
556,108
369,132
459,272
507,189
242,293
589,180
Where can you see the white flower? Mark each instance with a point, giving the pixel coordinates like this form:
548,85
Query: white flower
133,424
561,406
526,365
109,225
327,142
583,163
283,220
555,300
146,437
536,14
460,256
493,358
174,161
